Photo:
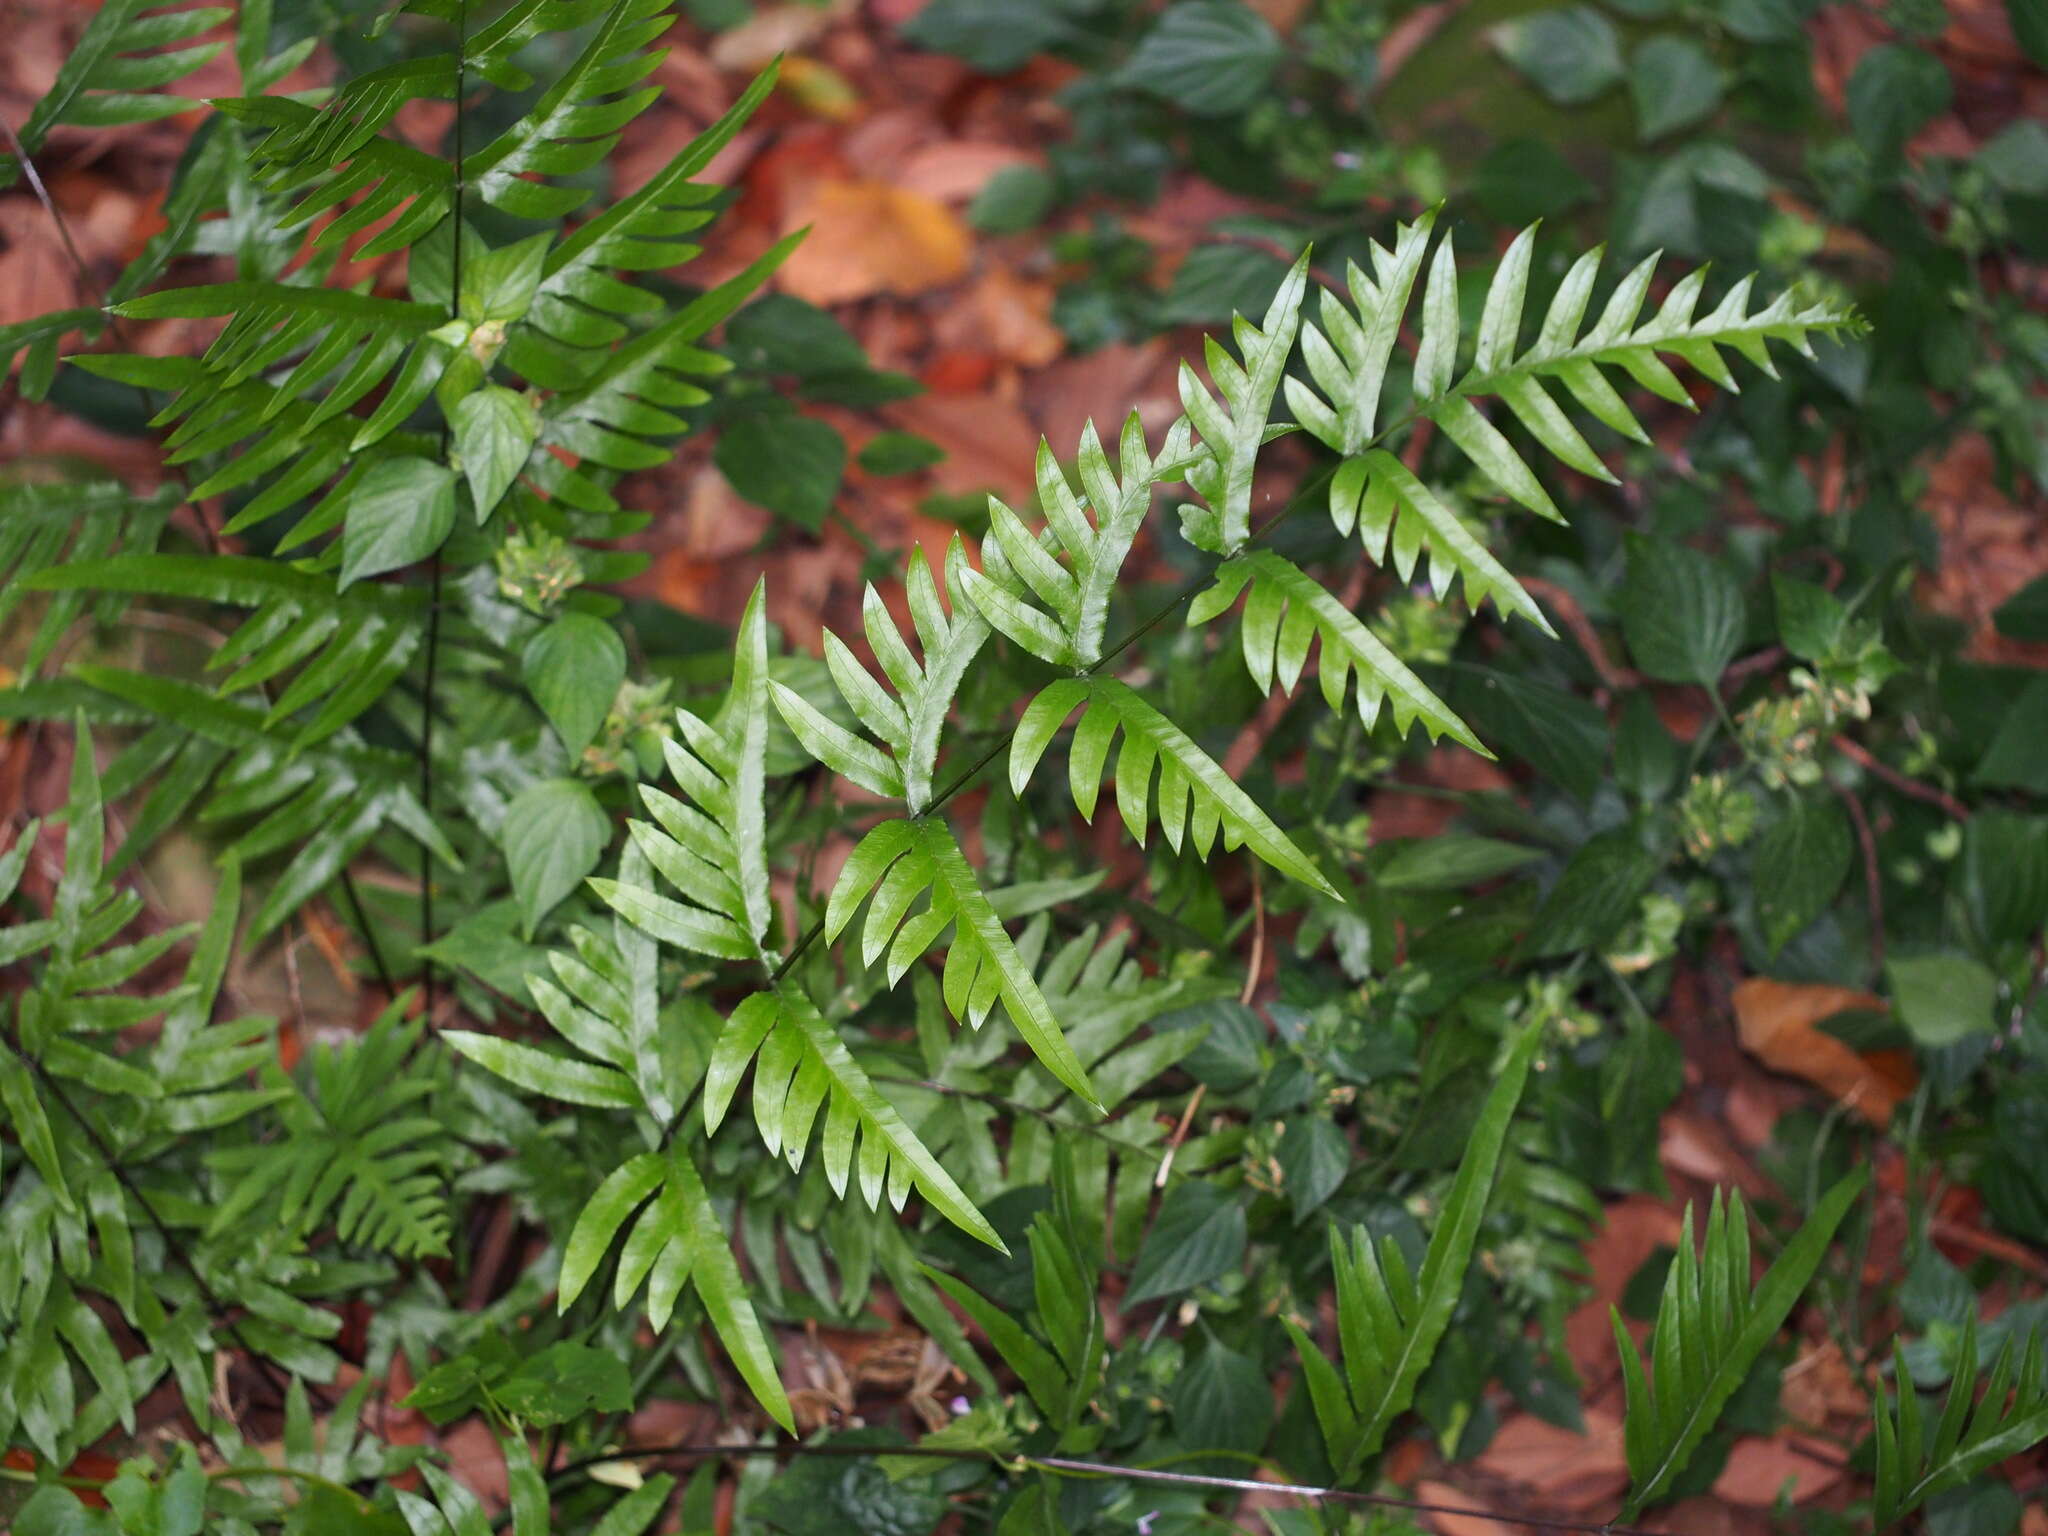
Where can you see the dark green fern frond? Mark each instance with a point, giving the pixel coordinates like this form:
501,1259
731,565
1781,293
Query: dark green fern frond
1973,1433
348,648
46,527
358,1153
1389,1323
1710,1328
114,72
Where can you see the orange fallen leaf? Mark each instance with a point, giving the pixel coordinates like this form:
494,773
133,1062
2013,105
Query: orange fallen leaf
868,237
1016,318
1573,1471
1776,1021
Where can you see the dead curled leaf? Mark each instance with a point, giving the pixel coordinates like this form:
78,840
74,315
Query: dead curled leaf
868,237
1776,1022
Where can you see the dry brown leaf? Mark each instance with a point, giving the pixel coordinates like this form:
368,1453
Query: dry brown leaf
867,238
1760,1465
1459,1525
1574,1471
1819,1386
954,171
1776,1020
1015,318
772,30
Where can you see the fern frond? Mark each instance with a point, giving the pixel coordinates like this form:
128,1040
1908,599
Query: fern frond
1196,797
801,1066
711,846
609,403
905,859
579,303
48,526
910,720
113,72
35,339
1348,365
2010,1417
349,647
1710,1328
1287,610
1233,429
1022,576
387,179
1388,1323
357,1153
323,802
677,1239
577,121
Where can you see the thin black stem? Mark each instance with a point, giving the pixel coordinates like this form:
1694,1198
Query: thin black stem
427,979
362,916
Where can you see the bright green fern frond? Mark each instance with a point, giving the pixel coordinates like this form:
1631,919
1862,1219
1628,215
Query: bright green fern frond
909,720
712,845
1349,364
605,1002
35,341
1972,1435
801,1066
1388,1322
1196,797
113,73
676,1239
1232,430
1287,610
904,860
1022,577
1710,1329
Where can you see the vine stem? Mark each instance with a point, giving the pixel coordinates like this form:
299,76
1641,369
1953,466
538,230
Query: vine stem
1074,1467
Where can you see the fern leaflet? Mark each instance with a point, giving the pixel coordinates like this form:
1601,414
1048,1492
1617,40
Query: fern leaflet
905,859
1196,798
802,1066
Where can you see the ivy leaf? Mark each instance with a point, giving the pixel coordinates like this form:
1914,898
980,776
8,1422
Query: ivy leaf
1798,865
1570,54
1681,612
1675,83
1208,57
402,511
1895,91
1597,893
573,669
554,833
1314,1157
1942,999
790,464
1199,1235
1223,1401
495,429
